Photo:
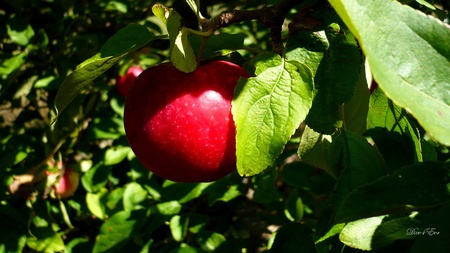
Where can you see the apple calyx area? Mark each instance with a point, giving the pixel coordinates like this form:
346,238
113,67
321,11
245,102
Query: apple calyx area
179,125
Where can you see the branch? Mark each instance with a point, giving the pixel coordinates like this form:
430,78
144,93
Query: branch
270,16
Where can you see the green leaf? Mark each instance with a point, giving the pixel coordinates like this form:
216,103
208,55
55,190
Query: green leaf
357,159
178,227
409,55
265,187
181,53
307,48
209,241
160,12
183,192
169,208
45,240
394,133
313,150
118,230
193,5
267,110
96,203
19,30
335,80
354,112
292,238
129,38
96,177
133,196
293,206
433,231
427,4
225,189
415,187
376,232
115,155
113,201
13,63
14,228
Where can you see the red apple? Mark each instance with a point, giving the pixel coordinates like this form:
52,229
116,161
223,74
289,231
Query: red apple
179,125
123,83
67,183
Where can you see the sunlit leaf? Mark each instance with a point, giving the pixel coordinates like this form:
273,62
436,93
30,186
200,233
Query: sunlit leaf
409,55
267,110
19,30
134,196
181,53
161,12
379,231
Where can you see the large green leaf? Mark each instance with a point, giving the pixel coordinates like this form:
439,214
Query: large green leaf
409,55
267,110
416,187
129,38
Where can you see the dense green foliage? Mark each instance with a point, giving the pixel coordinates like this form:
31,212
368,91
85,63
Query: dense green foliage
323,164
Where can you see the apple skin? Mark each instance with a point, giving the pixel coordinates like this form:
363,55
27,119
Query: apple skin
123,83
67,184
179,125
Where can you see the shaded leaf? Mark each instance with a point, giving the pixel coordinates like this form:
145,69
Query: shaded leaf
19,30
354,112
293,206
220,44
335,80
118,229
416,187
434,231
129,38
292,238
394,133
357,160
